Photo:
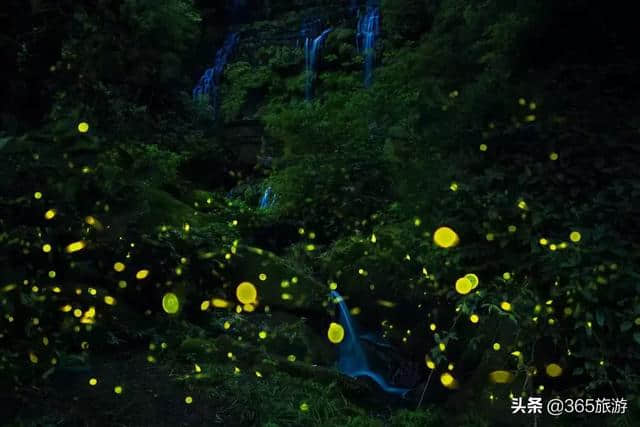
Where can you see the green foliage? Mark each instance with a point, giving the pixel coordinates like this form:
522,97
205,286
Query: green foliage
404,20
138,45
281,59
241,80
168,25
156,166
416,418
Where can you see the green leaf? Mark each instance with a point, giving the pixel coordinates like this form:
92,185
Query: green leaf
636,337
625,326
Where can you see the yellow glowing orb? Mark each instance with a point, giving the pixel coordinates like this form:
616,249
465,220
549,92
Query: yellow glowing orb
553,156
117,389
262,335
463,286
505,305
304,407
473,279
430,364
553,370
445,237
93,381
188,400
474,318
50,214
575,236
119,267
46,248
335,333
501,377
75,247
83,127
483,147
385,303
447,380
246,293
142,274
496,346
170,303
220,303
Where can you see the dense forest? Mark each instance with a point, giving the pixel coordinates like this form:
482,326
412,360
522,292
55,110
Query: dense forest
318,213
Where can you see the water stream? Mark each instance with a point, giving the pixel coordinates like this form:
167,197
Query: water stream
352,360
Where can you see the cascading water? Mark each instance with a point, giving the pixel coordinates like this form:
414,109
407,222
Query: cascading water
267,199
311,51
352,360
367,34
210,81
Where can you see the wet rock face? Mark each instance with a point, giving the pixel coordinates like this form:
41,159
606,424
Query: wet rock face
401,370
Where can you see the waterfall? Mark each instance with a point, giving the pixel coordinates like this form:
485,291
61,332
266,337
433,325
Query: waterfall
311,50
267,199
210,81
367,33
352,360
